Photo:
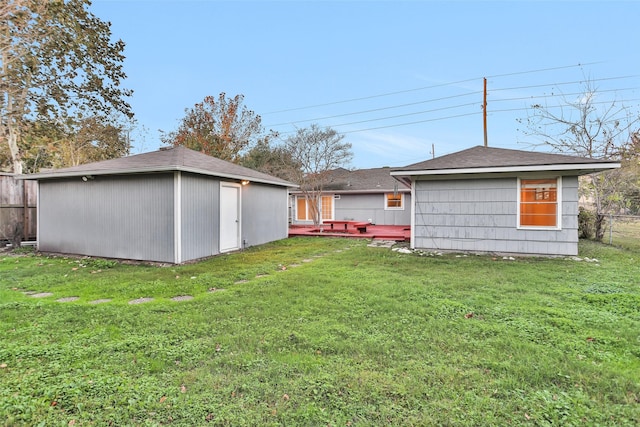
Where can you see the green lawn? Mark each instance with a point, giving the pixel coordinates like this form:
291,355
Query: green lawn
317,332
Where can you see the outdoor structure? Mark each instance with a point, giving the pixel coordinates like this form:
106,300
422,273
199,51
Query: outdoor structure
17,209
496,200
363,195
171,205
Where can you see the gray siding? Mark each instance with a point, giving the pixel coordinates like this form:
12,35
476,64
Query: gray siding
365,207
264,214
480,215
199,216
118,217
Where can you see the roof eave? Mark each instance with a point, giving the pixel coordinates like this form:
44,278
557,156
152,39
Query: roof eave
580,169
173,168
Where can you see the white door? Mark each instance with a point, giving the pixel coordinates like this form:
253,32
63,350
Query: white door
229,216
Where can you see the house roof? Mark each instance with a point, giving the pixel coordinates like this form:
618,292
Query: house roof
482,159
164,160
374,180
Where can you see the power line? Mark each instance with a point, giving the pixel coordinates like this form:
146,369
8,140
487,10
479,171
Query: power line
426,87
453,97
561,84
376,109
504,110
559,95
406,114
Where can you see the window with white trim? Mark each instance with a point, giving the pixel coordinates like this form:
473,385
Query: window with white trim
539,203
304,211
394,201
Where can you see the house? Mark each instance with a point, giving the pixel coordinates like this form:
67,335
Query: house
171,205
367,195
496,200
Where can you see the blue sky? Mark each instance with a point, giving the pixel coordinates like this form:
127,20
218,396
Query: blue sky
398,79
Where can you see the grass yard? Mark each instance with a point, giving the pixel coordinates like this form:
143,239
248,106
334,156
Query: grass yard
625,233
318,332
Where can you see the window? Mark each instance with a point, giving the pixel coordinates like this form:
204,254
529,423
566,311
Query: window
304,212
539,202
326,208
394,201
301,209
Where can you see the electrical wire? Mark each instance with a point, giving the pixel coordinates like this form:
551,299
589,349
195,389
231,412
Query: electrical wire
427,87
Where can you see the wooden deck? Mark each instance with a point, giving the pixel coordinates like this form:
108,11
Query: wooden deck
398,233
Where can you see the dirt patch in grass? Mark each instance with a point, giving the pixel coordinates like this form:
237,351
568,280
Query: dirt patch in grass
100,301
41,295
140,300
68,299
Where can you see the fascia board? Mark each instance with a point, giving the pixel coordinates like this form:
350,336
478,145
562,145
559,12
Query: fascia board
587,167
154,170
376,191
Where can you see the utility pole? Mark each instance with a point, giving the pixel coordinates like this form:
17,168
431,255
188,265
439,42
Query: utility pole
484,112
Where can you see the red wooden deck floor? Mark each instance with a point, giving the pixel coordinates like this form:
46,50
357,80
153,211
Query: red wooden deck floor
382,232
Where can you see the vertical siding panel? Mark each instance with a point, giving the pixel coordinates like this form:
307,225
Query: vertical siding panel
264,214
119,217
200,216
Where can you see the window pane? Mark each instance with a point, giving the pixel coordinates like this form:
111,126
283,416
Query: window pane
301,209
327,207
538,202
394,200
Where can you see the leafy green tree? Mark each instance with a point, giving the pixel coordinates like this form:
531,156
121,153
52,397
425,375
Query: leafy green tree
315,152
270,158
590,128
56,145
57,61
222,128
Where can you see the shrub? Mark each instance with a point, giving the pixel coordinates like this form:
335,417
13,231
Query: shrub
586,223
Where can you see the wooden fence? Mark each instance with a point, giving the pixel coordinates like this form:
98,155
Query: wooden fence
18,204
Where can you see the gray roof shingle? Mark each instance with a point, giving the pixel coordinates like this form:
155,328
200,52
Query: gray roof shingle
481,157
169,159
362,180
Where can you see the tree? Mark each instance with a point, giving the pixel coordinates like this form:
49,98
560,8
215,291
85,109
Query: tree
222,128
316,151
270,159
57,62
594,129
630,174
56,145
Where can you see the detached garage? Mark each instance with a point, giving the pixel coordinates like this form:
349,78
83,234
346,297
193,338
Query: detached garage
172,205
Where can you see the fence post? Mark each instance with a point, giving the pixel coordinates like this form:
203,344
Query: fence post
610,229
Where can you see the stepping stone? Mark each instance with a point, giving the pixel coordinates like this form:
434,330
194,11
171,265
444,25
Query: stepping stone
216,289
182,298
41,295
68,299
238,282
140,300
307,260
100,301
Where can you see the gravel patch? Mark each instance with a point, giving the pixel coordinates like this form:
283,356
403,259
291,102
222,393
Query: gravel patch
68,299
182,298
41,295
140,300
100,301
